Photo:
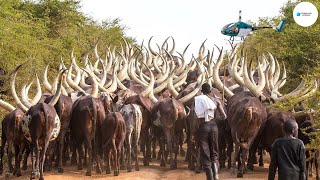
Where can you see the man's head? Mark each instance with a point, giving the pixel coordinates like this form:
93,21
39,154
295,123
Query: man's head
206,88
290,127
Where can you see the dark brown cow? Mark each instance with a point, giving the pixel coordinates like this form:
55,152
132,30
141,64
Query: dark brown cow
113,133
63,108
11,133
88,113
269,131
40,125
168,113
306,129
245,116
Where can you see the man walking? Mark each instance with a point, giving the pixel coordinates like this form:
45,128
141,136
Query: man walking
288,155
205,107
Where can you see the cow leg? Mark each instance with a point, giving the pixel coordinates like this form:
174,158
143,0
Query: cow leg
43,156
9,153
61,149
146,148
316,164
88,144
128,141
182,152
162,155
36,152
244,158
135,149
3,144
115,157
123,157
27,152
19,158
107,160
235,158
261,157
74,153
80,152
85,156
16,154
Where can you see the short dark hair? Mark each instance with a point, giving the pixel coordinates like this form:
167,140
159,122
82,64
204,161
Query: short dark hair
288,126
206,88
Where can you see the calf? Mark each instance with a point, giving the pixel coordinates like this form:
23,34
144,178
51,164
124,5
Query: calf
133,118
113,133
11,133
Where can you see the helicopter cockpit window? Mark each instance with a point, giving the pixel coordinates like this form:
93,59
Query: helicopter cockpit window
234,30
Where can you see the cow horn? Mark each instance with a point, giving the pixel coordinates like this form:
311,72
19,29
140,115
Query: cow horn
146,92
249,84
262,79
133,75
123,72
284,76
72,84
13,91
57,94
38,95
173,46
216,78
7,106
171,88
113,86
200,81
276,73
183,65
45,81
24,98
150,49
234,72
78,70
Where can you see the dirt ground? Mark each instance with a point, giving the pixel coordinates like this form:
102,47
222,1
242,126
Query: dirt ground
152,172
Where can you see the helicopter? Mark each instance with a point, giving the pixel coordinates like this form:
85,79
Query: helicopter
241,29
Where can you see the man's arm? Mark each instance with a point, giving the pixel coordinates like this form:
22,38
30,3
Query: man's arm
220,108
274,162
302,163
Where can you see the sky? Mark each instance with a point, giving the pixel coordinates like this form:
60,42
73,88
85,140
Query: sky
187,21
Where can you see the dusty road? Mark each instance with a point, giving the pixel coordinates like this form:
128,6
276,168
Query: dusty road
152,172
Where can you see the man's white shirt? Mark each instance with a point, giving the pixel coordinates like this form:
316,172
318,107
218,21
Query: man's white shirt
204,107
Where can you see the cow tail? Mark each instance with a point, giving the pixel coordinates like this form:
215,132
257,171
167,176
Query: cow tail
249,116
45,118
94,118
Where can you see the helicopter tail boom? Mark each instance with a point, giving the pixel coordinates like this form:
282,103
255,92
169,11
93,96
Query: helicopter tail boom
281,25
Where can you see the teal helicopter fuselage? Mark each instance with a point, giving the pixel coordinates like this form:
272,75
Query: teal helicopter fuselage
240,29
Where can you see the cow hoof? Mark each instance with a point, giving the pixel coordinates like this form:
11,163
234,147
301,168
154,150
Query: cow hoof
80,167
154,155
41,178
240,175
18,174
261,164
88,173
222,165
129,170
122,167
145,162
98,170
162,164
182,153
108,171
137,168
317,178
198,170
60,170
250,166
24,167
116,173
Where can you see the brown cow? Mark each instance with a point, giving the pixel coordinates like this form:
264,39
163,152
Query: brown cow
113,133
245,116
88,113
11,133
168,113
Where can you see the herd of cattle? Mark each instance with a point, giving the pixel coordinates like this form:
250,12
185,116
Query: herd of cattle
102,112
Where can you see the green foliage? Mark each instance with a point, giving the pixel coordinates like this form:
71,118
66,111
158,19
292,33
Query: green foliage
44,31
299,48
